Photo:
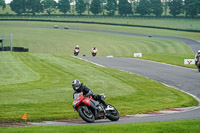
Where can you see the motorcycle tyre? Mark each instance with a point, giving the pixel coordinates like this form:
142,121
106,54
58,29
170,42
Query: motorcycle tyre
198,66
112,117
81,114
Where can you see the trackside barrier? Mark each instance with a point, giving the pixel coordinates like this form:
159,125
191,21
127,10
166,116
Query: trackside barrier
137,54
189,61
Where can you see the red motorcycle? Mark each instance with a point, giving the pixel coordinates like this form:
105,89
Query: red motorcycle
90,110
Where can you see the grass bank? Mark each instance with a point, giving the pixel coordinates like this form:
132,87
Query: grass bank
176,23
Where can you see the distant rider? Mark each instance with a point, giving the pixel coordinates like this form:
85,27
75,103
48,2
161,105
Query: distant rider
76,50
77,47
94,49
197,57
79,87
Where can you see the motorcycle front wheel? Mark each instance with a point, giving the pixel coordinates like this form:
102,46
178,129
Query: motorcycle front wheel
86,115
113,115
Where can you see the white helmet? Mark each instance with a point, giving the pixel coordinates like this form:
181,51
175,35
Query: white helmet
76,84
77,45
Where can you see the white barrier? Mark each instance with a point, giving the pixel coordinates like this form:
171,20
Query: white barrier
137,55
110,56
189,61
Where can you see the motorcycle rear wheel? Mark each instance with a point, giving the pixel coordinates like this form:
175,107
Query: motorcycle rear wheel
86,116
113,115
93,54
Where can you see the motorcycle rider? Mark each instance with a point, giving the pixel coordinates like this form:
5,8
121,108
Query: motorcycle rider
77,47
94,51
94,48
79,87
76,50
197,57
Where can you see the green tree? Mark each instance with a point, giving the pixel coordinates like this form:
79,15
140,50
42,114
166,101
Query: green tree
111,7
144,7
2,4
95,7
191,7
156,7
49,6
80,6
198,7
125,7
63,6
176,7
33,6
18,6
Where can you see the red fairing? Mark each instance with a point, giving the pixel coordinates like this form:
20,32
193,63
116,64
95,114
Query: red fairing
86,101
94,51
77,102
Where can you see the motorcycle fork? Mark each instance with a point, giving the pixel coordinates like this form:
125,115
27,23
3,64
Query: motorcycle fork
86,109
92,105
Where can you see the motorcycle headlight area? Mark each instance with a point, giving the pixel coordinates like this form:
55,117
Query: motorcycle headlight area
75,102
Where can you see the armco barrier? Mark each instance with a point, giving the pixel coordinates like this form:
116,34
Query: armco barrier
14,49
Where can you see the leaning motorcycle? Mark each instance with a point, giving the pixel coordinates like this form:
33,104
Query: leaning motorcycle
76,51
90,110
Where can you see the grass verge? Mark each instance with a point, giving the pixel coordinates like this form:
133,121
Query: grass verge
177,23
186,126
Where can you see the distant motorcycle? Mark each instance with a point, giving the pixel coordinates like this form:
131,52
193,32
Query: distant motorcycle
94,52
76,52
90,110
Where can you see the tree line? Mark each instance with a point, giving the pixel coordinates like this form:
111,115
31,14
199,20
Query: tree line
191,8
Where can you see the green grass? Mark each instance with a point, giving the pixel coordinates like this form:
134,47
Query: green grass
40,84
177,23
186,126
62,42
